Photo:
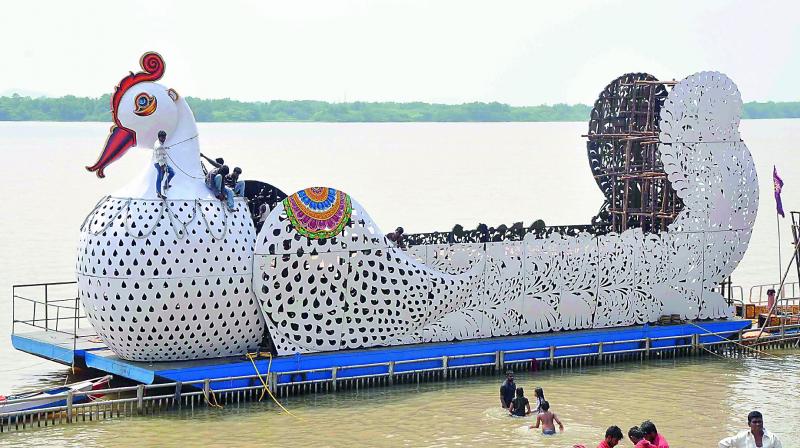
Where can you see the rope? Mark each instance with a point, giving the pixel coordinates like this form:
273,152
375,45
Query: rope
215,403
182,141
110,221
173,162
181,169
180,227
91,213
174,217
153,228
716,354
251,357
735,342
224,225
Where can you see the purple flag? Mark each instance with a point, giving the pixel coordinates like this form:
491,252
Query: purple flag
778,183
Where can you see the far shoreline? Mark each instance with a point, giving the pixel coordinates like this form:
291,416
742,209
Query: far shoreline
83,109
362,122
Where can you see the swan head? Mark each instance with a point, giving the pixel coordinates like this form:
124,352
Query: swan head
141,108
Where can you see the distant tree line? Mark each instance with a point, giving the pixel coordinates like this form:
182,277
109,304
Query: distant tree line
72,108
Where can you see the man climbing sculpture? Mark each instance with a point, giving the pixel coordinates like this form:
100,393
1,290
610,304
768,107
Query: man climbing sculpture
162,167
215,181
232,181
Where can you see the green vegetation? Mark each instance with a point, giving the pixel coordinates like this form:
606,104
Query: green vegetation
71,108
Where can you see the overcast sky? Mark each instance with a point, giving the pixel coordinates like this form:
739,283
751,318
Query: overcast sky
521,53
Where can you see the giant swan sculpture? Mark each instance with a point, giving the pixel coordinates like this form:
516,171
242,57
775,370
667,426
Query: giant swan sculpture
165,280
184,278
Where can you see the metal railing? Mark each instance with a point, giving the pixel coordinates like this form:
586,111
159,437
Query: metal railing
151,398
52,307
791,294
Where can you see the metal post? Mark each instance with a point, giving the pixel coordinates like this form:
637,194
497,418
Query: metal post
139,398
70,400
335,371
647,347
13,317
77,314
46,320
177,399
444,366
273,382
600,351
497,367
391,372
502,359
552,355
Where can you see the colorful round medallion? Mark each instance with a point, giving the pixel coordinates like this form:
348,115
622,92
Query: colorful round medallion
318,212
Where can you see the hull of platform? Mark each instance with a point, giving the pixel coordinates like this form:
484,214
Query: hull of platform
409,358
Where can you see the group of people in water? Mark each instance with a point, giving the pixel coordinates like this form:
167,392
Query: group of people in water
513,399
643,436
646,435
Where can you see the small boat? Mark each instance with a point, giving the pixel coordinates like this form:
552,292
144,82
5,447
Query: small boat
52,397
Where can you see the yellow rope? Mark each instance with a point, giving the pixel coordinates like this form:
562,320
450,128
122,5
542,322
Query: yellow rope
251,357
215,403
737,343
716,354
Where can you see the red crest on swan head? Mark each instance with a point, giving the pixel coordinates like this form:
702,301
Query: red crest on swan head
153,65
122,138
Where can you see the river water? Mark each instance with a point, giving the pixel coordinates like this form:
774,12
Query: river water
423,176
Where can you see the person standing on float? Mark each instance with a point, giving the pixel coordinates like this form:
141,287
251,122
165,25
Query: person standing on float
160,155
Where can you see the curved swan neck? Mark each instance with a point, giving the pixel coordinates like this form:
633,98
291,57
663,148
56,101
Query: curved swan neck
183,145
186,128
183,156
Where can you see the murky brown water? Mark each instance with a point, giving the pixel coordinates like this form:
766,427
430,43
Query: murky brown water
694,402
423,176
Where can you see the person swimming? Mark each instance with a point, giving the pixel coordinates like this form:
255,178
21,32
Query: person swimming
520,406
539,393
546,419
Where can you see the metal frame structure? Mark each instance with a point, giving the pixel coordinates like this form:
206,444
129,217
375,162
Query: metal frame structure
62,314
623,152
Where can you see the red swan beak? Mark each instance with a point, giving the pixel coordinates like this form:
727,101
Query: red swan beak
119,141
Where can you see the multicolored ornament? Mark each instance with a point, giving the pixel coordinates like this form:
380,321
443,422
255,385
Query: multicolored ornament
318,212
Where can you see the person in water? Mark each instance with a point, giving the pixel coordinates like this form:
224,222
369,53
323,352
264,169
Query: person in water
539,393
637,438
652,435
756,436
613,437
520,406
507,390
546,419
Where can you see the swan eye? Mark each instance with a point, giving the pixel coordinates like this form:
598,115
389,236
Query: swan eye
145,104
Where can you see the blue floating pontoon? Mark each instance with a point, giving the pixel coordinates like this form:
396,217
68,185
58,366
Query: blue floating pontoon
358,363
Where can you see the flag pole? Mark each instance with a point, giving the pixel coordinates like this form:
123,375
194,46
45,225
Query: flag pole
777,183
780,267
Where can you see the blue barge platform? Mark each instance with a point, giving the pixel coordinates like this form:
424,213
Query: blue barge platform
88,352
